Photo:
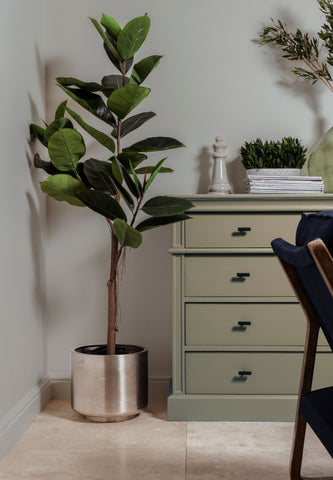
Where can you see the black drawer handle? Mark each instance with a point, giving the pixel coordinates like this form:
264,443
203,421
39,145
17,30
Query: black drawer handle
241,231
243,323
243,373
241,277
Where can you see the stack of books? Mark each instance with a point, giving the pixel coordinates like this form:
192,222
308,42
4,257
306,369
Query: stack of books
284,184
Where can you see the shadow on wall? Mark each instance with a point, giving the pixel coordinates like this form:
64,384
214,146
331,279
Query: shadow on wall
293,85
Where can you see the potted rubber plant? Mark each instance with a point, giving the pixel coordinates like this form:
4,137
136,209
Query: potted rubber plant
109,381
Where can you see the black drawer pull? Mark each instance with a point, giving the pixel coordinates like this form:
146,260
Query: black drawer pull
241,231
241,277
243,373
243,323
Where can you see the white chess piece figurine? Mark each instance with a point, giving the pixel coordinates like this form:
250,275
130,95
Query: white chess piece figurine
219,183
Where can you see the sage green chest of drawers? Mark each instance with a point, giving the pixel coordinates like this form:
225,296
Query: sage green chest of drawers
238,331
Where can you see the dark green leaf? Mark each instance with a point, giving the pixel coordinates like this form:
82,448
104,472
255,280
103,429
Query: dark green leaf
98,174
127,235
74,82
132,36
137,182
111,25
63,187
102,203
60,112
116,170
57,125
122,101
142,69
135,158
91,102
118,64
38,132
155,144
113,82
133,123
166,206
66,147
48,167
101,137
154,222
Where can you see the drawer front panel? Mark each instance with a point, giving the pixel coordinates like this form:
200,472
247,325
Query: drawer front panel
244,324
272,373
239,230
213,276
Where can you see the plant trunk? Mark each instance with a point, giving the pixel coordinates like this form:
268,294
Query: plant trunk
112,297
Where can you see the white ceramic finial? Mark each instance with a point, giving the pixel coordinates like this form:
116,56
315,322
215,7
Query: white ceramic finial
219,183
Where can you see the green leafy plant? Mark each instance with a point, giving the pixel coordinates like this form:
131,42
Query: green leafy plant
287,153
116,186
304,48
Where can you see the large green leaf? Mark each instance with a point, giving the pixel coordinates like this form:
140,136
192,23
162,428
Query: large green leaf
101,137
122,101
111,25
132,36
134,158
57,125
98,174
166,206
155,144
66,147
155,222
91,102
127,235
142,69
63,187
102,203
106,39
38,132
132,123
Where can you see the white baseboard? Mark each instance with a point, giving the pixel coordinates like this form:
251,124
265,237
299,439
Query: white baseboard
20,417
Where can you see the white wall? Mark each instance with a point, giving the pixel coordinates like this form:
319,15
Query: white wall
213,80
22,359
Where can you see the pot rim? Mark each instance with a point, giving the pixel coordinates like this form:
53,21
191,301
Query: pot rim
136,349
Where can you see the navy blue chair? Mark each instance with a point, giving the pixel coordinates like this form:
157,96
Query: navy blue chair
309,268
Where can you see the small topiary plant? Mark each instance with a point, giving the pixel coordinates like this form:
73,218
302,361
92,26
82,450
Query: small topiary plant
287,153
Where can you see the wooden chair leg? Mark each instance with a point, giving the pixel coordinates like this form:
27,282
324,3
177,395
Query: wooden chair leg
297,448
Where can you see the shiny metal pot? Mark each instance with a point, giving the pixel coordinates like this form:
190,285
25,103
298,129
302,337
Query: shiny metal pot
109,388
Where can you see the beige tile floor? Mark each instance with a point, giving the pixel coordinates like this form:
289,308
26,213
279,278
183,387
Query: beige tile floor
60,445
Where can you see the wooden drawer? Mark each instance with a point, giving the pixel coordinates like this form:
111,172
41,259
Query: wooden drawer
227,230
273,373
222,324
218,276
